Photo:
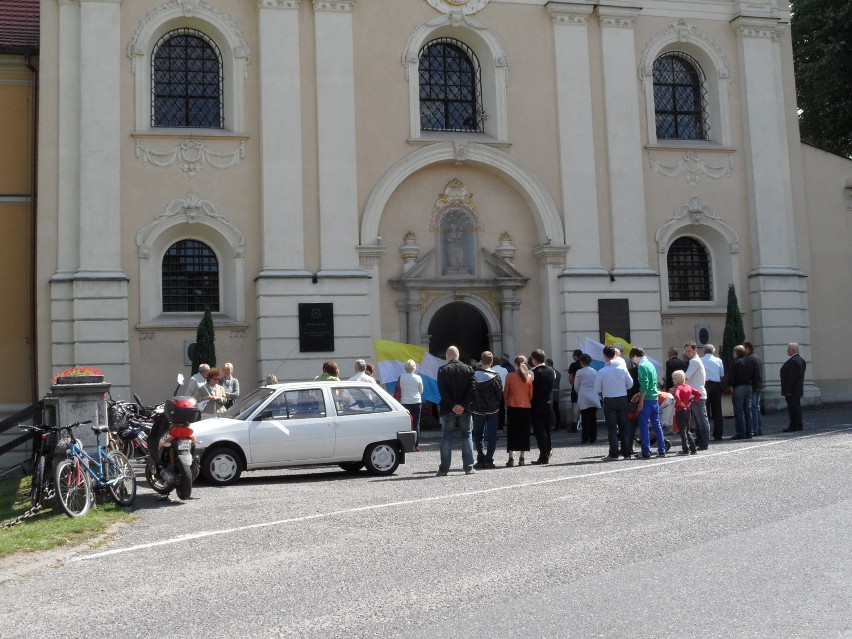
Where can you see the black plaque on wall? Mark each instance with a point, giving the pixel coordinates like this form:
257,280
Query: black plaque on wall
316,328
614,318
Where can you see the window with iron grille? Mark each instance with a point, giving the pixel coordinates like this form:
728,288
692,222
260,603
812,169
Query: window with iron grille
680,98
450,87
689,271
186,81
190,278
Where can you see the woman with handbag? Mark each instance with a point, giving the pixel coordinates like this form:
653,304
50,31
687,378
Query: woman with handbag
409,391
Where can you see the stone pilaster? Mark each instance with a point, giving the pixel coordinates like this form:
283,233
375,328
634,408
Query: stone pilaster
624,139
338,188
576,139
282,199
779,301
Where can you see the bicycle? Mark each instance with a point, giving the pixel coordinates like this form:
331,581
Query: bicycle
75,476
43,450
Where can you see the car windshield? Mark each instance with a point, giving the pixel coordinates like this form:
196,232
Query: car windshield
246,406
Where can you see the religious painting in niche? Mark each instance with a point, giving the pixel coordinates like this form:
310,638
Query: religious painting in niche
459,243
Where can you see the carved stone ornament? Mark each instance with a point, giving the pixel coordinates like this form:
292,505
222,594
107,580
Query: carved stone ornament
334,5
455,194
278,4
191,209
694,212
466,7
192,156
409,249
693,168
188,9
505,249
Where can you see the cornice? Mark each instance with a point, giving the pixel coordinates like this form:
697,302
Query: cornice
569,13
344,6
618,17
759,28
278,4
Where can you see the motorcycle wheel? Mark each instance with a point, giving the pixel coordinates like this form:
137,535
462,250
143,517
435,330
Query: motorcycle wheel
155,482
184,484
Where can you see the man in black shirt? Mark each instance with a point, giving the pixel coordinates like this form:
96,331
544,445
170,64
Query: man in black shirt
455,384
542,405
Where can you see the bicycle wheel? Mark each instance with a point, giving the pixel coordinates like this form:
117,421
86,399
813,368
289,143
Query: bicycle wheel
121,479
73,487
39,480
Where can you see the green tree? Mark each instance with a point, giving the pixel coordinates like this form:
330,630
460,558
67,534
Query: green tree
205,343
734,332
822,55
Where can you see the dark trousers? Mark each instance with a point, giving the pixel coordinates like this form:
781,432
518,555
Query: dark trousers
714,403
556,416
794,410
617,425
589,419
687,442
542,419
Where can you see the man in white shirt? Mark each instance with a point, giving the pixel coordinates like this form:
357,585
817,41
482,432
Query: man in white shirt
696,377
360,372
612,383
195,382
714,372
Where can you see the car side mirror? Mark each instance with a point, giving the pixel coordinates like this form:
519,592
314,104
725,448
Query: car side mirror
265,414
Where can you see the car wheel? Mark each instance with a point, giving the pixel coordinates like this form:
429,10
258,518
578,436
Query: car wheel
351,467
222,466
381,459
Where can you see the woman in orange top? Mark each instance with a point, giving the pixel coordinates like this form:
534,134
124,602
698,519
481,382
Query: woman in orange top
517,396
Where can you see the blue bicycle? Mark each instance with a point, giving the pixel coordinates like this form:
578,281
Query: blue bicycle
80,474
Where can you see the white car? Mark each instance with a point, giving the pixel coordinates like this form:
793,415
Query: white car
351,424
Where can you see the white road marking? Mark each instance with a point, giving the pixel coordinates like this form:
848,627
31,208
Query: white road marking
650,464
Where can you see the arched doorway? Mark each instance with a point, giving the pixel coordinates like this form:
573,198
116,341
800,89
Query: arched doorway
458,324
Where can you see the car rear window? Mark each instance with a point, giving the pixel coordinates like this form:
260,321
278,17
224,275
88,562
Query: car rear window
358,401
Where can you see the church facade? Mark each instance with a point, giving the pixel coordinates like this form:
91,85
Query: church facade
502,174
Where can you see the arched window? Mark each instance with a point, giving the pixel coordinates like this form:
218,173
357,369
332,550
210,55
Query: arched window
689,271
679,98
450,87
190,278
186,81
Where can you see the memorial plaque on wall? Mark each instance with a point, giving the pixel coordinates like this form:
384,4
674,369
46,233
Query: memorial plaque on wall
614,318
316,328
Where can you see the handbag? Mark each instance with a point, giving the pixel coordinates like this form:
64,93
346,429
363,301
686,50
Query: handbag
397,392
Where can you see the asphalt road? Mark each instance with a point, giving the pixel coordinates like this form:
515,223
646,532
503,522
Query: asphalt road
748,539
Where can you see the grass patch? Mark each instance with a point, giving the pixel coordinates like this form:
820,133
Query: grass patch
50,527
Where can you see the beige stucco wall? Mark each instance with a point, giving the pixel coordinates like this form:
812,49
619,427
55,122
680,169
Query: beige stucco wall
381,111
828,238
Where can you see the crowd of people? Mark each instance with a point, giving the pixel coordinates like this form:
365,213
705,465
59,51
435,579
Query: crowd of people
631,397
484,397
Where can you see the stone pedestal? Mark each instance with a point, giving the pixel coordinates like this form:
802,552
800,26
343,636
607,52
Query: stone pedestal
77,402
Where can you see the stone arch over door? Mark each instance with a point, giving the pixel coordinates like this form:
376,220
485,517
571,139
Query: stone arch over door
532,190
482,306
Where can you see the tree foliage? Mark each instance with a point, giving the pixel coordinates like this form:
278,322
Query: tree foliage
734,331
205,343
822,54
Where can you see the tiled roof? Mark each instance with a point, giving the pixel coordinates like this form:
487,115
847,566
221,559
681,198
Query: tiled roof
18,25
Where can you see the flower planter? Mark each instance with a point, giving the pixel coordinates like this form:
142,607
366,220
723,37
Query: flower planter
79,379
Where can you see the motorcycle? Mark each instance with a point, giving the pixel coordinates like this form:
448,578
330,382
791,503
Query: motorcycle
172,463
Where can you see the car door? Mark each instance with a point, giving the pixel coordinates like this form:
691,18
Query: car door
298,429
364,417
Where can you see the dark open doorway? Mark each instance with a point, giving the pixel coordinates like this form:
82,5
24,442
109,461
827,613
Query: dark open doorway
461,325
